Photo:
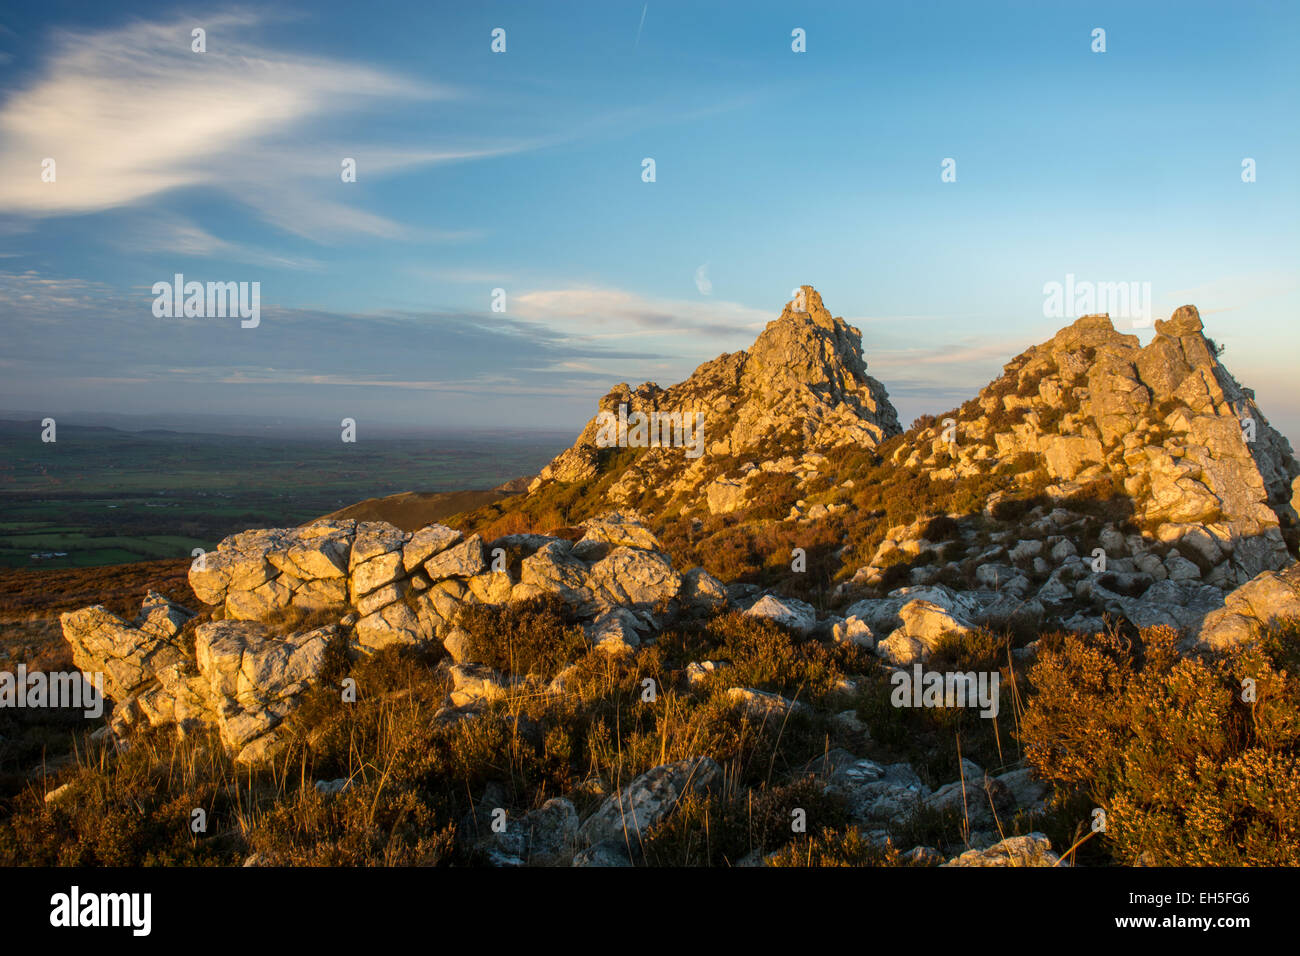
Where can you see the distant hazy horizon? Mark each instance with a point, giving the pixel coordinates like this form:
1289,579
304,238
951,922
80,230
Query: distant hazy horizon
306,429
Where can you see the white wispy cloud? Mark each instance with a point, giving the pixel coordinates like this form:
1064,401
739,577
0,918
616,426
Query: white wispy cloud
128,114
948,354
179,236
594,311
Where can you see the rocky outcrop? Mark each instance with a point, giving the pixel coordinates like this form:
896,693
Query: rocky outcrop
1191,451
802,386
240,678
1129,482
1162,485
1159,484
129,655
247,670
406,587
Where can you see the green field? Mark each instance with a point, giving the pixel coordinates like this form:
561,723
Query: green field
105,496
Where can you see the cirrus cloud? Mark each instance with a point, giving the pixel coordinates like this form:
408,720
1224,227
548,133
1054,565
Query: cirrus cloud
130,113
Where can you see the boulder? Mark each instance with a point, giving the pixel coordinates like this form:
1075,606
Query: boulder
474,684
375,538
798,616
604,853
853,630
491,587
393,625
1026,790
625,816
697,672
924,625
977,798
702,591
762,705
553,569
320,550
878,795
1271,597
724,495
615,631
1034,849
240,563
882,615
463,560
546,836
633,578
378,572
620,531
425,543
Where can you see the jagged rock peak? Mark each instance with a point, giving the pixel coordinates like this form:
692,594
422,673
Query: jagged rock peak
806,346
801,386
1185,443
1186,320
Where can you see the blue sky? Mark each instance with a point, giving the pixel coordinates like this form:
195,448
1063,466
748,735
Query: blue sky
522,171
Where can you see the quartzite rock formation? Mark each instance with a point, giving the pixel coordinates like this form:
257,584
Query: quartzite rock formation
387,588
1191,448
1158,492
1208,486
802,386
1209,482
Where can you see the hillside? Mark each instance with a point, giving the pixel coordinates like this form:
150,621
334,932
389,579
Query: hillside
1087,441
949,645
412,510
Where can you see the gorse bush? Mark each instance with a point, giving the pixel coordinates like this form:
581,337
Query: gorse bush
1187,771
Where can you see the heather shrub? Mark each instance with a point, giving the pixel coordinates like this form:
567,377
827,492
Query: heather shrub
127,809
941,528
721,830
834,848
934,739
538,636
773,494
766,657
1187,772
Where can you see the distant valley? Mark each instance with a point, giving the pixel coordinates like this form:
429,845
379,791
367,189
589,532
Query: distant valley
101,496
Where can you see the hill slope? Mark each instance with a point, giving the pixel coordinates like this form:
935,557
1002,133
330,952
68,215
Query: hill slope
1157,456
